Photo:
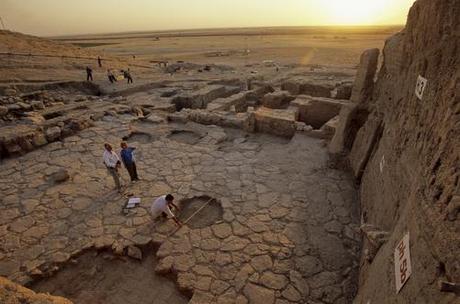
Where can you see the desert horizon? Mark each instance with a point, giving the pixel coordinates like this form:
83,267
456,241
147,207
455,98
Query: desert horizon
253,30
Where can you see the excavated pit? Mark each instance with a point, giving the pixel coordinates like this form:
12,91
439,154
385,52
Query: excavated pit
101,278
139,137
185,137
209,215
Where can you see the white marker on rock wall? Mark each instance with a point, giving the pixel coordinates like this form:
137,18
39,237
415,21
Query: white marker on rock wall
403,267
420,87
382,164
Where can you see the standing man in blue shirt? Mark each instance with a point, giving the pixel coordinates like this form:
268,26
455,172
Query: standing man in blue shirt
128,160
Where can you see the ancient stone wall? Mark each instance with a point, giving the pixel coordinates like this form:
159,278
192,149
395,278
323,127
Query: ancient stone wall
406,157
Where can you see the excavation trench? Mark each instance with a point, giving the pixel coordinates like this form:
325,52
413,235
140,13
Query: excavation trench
185,137
202,211
100,277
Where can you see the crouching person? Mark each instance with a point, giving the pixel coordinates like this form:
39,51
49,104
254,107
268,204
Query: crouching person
161,207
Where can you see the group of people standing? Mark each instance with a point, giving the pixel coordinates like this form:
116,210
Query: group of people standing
161,206
113,163
110,75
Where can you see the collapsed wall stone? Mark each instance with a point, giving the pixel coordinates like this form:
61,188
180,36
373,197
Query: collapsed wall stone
407,153
363,85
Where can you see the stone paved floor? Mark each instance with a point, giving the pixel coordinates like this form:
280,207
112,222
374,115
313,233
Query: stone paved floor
287,235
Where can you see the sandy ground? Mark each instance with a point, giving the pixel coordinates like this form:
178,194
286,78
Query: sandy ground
244,49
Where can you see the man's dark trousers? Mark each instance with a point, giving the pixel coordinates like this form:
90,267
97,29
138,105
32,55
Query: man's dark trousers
132,171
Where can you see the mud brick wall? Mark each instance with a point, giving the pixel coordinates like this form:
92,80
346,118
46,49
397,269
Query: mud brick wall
407,158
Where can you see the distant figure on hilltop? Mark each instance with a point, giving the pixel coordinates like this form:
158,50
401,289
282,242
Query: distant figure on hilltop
99,61
127,75
111,77
89,74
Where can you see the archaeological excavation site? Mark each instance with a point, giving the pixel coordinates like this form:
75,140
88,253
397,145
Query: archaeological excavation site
296,180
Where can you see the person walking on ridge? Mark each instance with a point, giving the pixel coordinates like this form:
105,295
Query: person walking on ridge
127,75
111,77
89,74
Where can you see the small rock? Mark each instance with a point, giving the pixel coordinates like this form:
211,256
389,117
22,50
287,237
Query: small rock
292,294
39,139
36,272
24,106
60,176
53,134
10,92
13,107
3,111
376,236
453,209
37,105
97,116
137,110
259,295
134,252
165,265
308,128
300,126
33,118
273,281
153,118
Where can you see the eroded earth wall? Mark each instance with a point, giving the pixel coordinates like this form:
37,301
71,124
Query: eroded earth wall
410,147
12,293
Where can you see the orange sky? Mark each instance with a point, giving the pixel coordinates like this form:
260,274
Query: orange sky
60,17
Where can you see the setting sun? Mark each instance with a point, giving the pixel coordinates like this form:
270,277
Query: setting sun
353,12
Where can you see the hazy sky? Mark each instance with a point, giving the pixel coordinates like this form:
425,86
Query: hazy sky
59,17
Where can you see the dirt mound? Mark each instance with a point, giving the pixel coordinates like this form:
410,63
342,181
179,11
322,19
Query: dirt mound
14,42
29,59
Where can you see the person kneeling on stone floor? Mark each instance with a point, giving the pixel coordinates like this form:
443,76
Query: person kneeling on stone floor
160,207
112,162
127,156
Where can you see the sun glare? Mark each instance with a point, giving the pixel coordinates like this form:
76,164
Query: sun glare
354,12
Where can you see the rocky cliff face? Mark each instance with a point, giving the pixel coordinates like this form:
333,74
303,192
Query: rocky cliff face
406,156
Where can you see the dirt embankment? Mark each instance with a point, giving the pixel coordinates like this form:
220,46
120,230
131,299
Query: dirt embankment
29,59
407,158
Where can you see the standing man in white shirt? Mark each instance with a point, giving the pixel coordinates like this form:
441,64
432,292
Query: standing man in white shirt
112,162
161,207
